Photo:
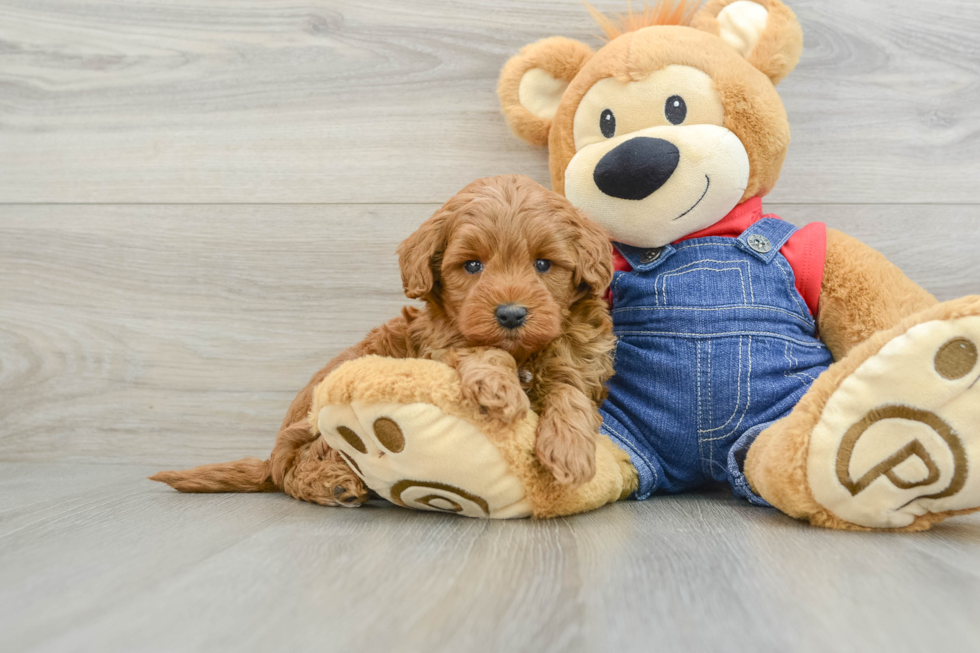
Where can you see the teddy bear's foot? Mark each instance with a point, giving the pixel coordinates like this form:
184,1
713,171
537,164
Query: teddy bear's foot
896,445
897,437
411,433
416,456
402,427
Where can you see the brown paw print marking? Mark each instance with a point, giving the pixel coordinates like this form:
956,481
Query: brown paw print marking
389,434
956,359
353,439
353,465
437,500
915,448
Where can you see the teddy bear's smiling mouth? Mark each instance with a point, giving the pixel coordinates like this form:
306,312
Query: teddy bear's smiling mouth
706,187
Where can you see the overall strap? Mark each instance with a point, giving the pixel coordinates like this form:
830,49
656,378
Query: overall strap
765,238
644,259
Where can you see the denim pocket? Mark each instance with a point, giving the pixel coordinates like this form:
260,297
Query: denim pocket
802,365
724,385
706,282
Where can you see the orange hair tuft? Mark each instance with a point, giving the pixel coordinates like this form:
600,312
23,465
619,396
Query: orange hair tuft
664,12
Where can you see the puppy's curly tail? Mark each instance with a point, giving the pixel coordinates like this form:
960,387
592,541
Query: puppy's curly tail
246,475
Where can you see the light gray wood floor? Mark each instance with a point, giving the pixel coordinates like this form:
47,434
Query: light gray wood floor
199,205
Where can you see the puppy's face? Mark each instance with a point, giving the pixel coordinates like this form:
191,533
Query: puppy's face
505,260
507,278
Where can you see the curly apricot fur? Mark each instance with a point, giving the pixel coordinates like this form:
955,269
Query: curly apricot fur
507,223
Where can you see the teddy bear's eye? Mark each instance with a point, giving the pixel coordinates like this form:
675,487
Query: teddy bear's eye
607,123
675,109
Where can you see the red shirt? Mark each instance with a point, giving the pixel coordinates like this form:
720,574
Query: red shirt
805,251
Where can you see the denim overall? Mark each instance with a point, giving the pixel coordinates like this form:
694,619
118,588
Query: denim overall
715,344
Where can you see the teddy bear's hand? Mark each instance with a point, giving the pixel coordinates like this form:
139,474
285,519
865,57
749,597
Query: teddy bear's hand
489,380
566,437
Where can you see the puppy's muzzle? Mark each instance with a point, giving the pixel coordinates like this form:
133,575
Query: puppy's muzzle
511,316
637,168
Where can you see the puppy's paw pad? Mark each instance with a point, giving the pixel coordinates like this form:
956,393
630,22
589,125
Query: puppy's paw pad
900,437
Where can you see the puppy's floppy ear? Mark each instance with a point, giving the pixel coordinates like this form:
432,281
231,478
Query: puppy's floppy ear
532,84
594,267
765,32
419,255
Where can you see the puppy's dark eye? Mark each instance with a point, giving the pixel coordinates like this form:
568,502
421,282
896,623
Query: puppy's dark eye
607,123
542,265
473,267
675,109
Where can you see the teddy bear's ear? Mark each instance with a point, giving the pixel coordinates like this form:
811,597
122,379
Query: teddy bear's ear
533,82
765,32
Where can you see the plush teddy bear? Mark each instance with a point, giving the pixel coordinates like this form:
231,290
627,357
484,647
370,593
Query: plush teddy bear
798,366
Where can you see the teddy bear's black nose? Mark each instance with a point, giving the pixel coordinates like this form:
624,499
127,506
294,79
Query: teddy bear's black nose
637,168
511,316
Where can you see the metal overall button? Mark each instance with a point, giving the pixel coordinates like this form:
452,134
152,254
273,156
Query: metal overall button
759,243
651,255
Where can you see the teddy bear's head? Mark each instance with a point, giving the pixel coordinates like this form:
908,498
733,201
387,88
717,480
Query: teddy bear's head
670,125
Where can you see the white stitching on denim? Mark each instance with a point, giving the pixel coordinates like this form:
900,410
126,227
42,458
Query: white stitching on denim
678,273
711,401
748,394
793,362
697,357
728,242
729,307
794,294
813,345
771,230
613,433
748,273
738,396
615,284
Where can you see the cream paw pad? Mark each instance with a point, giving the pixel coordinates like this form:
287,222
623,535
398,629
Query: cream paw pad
900,437
416,456
404,427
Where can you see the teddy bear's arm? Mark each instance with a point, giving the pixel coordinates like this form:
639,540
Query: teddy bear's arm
862,293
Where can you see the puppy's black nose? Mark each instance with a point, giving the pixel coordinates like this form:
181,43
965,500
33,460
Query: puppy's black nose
511,316
637,168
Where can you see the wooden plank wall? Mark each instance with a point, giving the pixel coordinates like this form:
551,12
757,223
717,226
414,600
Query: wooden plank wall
200,201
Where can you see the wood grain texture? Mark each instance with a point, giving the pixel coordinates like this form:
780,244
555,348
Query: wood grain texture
178,335
199,205
393,101
101,561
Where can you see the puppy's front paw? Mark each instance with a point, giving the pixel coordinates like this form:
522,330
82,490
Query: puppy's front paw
567,449
498,394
